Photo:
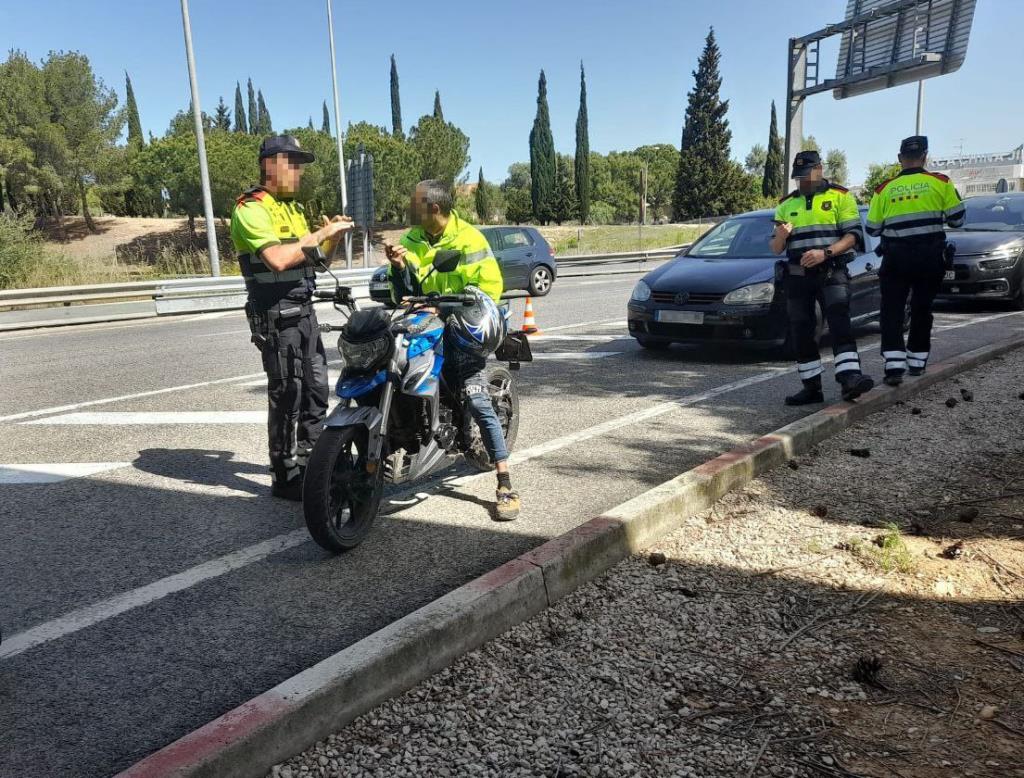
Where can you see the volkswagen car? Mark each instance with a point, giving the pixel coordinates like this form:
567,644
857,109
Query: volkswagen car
989,260
725,289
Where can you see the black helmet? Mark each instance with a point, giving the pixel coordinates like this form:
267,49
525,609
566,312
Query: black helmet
478,328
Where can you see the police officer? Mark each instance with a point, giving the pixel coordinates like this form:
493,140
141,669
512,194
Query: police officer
908,212
269,231
438,227
818,227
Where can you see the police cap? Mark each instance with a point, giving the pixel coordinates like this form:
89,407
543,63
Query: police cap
914,146
285,144
804,163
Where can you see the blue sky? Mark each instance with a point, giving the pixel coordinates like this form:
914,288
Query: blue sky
485,58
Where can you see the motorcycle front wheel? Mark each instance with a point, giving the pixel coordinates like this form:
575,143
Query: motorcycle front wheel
505,399
340,499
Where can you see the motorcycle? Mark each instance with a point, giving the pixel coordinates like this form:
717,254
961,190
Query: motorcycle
398,420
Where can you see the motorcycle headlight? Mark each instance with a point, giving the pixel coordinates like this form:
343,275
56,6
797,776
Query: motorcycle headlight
364,357
641,292
755,294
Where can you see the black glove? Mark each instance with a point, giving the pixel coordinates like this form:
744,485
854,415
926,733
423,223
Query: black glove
947,255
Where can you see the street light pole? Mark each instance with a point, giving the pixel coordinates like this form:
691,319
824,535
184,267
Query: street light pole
920,106
204,174
337,135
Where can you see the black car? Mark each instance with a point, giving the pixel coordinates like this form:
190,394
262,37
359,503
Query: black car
989,261
526,261
724,289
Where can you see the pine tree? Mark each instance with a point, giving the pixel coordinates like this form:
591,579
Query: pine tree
266,128
222,119
396,102
774,182
583,153
240,123
254,116
542,157
484,199
708,182
438,113
135,139
325,128
564,205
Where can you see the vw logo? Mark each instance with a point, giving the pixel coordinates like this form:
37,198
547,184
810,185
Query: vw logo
682,298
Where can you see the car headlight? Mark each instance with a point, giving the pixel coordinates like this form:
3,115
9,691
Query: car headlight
641,292
364,357
1003,259
755,294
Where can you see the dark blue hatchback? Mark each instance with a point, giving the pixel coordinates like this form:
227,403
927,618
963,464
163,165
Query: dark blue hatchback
723,289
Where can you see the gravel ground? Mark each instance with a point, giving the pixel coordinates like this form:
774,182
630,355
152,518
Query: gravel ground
858,613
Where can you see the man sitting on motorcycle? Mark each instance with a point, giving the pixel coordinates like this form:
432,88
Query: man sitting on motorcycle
438,227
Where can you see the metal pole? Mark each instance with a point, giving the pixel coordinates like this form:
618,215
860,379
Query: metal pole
796,79
204,175
337,134
920,107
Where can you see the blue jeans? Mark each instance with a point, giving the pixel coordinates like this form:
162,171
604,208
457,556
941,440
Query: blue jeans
466,370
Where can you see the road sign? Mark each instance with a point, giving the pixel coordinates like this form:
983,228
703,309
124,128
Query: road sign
883,49
360,189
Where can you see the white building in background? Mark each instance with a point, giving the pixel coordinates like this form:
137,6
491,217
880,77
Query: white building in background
976,174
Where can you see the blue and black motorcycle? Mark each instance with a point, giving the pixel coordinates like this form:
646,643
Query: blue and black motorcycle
398,420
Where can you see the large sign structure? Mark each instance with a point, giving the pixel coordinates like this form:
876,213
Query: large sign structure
885,43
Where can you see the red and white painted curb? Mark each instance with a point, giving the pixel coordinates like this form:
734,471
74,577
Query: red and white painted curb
247,741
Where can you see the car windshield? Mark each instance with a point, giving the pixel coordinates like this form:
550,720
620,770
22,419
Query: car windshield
1002,214
739,238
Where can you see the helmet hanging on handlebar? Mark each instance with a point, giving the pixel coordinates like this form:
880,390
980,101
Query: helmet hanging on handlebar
478,328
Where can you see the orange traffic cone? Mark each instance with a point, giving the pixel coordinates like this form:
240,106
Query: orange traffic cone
529,323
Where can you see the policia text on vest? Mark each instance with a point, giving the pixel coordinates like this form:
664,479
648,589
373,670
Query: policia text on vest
269,232
908,212
818,227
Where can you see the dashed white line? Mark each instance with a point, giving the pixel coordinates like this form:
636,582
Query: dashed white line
53,473
148,418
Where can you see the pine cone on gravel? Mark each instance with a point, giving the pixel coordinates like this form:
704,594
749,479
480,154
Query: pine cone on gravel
866,670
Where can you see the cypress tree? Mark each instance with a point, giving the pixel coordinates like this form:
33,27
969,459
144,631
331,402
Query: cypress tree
396,102
773,182
542,157
438,113
254,115
325,128
135,139
310,125
266,128
708,182
583,153
484,206
222,119
240,123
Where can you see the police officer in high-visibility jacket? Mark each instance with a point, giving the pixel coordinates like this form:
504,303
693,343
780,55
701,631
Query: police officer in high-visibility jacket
818,227
269,231
908,212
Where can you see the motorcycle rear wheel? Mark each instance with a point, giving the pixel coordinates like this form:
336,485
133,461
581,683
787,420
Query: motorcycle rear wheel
505,399
340,499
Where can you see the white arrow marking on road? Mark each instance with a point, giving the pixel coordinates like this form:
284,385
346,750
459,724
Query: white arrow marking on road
105,609
125,418
53,473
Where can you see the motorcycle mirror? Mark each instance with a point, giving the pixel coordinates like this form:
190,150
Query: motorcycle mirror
447,260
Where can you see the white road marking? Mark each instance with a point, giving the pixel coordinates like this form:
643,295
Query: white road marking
126,418
582,338
224,333
105,609
610,281
53,473
542,356
93,614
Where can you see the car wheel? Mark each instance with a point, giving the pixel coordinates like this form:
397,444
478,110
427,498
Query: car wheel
653,345
540,281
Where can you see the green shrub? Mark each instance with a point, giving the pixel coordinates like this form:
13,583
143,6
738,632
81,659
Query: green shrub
20,248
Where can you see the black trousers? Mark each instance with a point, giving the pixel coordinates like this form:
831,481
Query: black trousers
830,288
913,270
296,367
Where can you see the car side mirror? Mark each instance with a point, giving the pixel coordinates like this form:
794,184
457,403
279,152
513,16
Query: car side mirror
447,260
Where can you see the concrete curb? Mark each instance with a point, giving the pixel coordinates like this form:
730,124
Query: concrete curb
317,702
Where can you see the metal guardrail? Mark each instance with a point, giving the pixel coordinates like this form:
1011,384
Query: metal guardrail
201,294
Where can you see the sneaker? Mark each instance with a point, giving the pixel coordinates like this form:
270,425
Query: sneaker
806,396
893,379
289,490
855,385
506,504
916,371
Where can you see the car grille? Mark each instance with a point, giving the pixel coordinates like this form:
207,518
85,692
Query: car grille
693,298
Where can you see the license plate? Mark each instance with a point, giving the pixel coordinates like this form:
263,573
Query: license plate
680,317
380,286
950,275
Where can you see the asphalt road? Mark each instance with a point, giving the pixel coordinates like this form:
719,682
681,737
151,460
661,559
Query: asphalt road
150,583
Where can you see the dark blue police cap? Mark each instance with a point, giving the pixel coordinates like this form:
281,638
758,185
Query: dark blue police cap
285,144
804,163
914,146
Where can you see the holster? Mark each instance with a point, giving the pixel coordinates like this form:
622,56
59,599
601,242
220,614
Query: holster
259,325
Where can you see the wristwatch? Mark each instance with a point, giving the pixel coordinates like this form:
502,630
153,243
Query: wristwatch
828,253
